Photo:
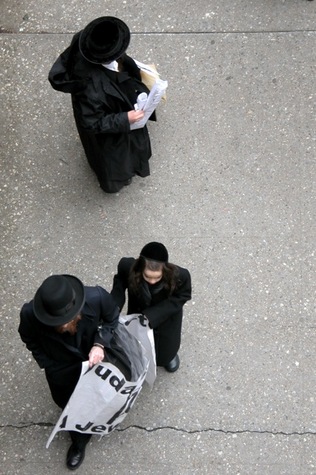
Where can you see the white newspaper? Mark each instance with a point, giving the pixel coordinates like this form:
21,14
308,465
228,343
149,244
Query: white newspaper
148,106
103,397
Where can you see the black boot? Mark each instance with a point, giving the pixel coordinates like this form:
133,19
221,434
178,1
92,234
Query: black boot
76,452
173,365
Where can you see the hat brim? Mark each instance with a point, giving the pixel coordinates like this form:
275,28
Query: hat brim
44,317
120,48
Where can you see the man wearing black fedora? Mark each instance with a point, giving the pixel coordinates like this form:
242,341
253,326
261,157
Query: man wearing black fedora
65,324
104,84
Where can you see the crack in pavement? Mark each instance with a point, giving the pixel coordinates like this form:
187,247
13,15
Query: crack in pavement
7,31
176,429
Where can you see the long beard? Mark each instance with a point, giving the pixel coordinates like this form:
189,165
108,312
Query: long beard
70,327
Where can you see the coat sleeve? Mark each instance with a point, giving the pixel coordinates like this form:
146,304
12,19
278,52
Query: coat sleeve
61,75
109,315
160,312
30,335
120,282
94,114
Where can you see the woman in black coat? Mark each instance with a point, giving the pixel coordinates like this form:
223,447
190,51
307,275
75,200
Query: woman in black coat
158,290
104,84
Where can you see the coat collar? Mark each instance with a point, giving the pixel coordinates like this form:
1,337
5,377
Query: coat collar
111,82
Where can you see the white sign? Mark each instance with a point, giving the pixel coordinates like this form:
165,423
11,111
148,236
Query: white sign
103,396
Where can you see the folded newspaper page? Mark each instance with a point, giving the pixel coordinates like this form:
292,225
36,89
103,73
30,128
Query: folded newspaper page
103,396
148,106
149,75
154,97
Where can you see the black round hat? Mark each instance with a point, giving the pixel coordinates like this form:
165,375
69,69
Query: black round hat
155,251
59,299
104,39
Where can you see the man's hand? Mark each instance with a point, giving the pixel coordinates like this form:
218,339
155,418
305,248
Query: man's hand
135,116
96,355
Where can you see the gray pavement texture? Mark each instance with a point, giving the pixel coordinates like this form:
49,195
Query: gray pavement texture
231,194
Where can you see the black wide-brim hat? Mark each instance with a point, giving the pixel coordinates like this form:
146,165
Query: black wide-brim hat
59,299
104,39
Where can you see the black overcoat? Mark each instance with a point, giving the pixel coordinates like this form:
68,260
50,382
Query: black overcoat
59,354
101,100
165,312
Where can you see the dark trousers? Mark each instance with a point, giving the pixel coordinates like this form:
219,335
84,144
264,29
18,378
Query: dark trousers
78,439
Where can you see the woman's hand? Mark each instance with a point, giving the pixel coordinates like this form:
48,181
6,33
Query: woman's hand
96,355
135,116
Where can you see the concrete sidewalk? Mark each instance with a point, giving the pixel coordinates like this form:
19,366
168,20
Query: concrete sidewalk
232,196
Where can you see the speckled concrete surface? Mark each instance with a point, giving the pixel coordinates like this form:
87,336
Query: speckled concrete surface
231,194
142,16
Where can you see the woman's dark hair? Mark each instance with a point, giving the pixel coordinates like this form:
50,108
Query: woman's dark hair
169,274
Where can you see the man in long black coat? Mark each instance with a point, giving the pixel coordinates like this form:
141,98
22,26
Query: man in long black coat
64,325
104,84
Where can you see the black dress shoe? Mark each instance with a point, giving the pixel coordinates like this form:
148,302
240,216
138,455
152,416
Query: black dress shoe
75,457
173,365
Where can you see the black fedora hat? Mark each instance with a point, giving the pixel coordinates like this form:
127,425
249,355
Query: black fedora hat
155,251
104,39
59,299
